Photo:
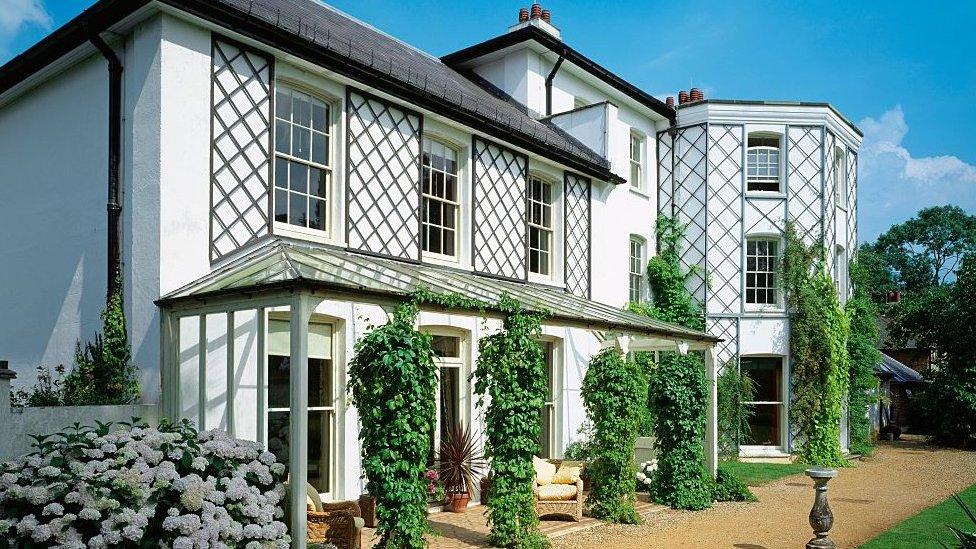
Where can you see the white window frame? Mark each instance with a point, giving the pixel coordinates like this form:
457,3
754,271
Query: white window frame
457,203
636,267
636,164
779,305
332,412
461,364
840,178
772,450
555,405
780,168
548,232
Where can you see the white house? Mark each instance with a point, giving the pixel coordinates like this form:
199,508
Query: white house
280,175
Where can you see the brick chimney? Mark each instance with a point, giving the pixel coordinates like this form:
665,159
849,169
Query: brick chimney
696,95
523,15
670,101
682,97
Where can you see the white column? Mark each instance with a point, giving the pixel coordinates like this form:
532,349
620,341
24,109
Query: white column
169,365
711,416
298,425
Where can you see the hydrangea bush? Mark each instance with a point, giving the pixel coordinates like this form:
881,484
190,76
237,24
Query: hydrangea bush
645,473
133,485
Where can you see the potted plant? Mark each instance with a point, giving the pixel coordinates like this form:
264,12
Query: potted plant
460,465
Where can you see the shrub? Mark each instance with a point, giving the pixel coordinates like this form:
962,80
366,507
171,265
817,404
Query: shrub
614,393
862,350
511,372
135,485
396,420
734,388
729,488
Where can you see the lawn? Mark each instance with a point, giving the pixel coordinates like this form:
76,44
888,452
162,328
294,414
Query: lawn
927,529
757,474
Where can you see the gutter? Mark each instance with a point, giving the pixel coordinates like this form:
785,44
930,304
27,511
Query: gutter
114,203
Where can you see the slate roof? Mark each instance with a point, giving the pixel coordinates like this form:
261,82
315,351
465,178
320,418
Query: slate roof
285,264
898,372
330,38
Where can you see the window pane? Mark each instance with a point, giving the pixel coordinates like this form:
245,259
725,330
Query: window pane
282,137
278,384
301,110
299,177
319,116
449,248
300,142
764,425
317,213
446,346
765,373
317,183
319,148
283,104
281,206
450,405
319,444
281,173
298,208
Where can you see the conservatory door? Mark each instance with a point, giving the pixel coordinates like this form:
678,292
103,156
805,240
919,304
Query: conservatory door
450,364
767,422
321,400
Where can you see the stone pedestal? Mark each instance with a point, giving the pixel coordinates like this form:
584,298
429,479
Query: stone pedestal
821,517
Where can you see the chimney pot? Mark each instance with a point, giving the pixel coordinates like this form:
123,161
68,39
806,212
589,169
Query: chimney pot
536,11
682,97
696,95
523,15
670,101
547,16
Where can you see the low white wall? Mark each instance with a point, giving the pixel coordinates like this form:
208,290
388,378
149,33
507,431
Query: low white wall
22,422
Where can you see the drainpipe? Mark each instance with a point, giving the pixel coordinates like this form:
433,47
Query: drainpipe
552,75
114,204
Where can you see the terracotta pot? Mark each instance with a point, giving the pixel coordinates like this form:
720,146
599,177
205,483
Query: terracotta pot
457,503
367,506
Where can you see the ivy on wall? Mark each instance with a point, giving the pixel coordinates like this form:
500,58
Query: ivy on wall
511,372
734,388
396,420
862,350
615,393
678,388
818,345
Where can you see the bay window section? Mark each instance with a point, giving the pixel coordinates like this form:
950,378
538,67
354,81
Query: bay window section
541,226
302,161
441,205
321,399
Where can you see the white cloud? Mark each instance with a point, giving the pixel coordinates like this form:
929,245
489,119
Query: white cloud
894,184
16,14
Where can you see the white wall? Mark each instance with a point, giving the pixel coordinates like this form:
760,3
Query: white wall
53,171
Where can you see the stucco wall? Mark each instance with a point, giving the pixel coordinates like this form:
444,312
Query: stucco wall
53,166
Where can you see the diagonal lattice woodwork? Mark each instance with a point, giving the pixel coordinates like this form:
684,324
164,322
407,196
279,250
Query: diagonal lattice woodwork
499,238
724,225
577,243
383,168
690,193
830,200
805,178
665,166
851,205
726,328
765,216
240,133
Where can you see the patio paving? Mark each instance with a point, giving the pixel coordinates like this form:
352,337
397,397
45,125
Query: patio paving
469,529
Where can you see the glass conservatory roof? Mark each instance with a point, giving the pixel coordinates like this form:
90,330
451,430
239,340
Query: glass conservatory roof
284,264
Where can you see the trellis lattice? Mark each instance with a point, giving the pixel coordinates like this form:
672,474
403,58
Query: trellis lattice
690,193
765,215
665,166
851,204
830,200
383,196
240,145
499,236
727,329
805,179
577,244
724,211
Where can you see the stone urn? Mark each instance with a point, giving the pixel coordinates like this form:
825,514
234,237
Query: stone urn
821,517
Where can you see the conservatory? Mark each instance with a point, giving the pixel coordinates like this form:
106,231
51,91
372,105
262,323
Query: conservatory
229,341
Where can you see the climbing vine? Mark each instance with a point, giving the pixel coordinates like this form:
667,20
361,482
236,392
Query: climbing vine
678,388
734,388
862,350
818,345
614,392
511,372
396,420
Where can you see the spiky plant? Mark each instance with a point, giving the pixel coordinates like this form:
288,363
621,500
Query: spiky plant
460,463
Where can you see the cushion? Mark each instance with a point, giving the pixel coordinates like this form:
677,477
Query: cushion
556,492
544,471
567,474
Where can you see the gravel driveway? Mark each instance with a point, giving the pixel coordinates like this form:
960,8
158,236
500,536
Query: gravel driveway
901,479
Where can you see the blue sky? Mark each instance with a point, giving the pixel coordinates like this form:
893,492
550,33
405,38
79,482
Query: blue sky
905,72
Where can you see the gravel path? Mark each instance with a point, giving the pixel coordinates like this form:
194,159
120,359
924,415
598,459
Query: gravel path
901,479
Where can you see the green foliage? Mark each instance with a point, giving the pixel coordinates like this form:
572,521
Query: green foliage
818,344
511,371
451,300
757,474
729,488
103,372
671,300
582,449
862,351
871,275
645,363
396,420
929,528
615,393
680,394
734,388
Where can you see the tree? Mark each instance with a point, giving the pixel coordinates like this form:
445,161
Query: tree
927,250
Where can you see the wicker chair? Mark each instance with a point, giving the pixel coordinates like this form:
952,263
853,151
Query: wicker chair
570,507
339,523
